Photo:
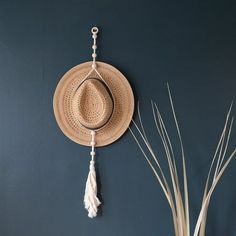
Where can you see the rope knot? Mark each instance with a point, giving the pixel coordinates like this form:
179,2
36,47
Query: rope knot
91,166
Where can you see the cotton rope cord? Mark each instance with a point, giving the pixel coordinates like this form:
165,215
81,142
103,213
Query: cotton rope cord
94,31
91,201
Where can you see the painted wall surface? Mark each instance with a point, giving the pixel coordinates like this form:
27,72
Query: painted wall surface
190,44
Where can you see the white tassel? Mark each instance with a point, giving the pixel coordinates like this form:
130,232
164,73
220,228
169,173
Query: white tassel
91,201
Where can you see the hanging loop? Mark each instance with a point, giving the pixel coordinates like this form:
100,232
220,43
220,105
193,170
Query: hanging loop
94,32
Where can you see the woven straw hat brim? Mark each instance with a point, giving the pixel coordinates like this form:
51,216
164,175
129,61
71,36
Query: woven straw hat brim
123,104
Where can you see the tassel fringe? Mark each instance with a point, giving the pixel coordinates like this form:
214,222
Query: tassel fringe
91,201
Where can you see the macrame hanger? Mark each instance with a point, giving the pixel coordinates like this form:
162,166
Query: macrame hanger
75,95
91,201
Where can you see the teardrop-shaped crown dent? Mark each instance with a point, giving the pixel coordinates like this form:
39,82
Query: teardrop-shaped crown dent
93,104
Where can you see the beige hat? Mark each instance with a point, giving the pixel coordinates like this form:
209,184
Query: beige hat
85,101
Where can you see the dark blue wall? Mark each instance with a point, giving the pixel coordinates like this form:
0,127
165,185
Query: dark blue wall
190,44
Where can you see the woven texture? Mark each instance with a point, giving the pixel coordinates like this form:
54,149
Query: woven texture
92,104
89,104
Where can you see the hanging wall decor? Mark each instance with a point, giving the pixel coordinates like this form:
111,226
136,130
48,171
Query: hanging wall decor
93,105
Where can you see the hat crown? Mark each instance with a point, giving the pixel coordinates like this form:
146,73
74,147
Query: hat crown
93,104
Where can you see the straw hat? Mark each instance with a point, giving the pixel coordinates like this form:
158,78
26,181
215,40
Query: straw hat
102,101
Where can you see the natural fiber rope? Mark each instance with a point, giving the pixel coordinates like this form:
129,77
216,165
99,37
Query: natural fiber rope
92,153
94,31
91,201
